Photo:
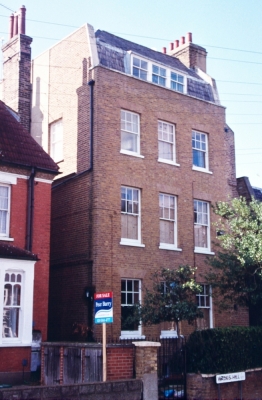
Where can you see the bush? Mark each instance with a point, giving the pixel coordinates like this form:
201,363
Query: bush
223,350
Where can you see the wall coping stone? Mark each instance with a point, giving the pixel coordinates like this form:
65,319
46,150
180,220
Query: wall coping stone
212,375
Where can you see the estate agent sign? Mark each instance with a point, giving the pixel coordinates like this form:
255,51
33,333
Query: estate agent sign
103,307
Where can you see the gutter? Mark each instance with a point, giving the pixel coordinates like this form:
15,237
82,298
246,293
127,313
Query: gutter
30,210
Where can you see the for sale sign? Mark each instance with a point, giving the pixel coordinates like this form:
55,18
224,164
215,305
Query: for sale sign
103,307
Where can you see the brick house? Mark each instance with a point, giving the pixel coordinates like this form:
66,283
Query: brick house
142,143
26,175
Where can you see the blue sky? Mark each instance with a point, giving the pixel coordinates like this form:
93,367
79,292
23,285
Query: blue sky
230,30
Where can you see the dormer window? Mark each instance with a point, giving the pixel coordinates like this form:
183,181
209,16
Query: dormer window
158,75
177,82
140,68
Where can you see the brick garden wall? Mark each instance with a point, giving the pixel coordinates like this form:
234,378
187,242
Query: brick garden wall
205,388
120,390
120,362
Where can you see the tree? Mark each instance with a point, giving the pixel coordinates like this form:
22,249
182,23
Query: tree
236,270
172,298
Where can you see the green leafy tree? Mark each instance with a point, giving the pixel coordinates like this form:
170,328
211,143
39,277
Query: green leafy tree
172,298
236,270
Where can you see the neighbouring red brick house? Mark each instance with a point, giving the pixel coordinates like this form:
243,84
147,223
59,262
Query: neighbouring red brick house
26,175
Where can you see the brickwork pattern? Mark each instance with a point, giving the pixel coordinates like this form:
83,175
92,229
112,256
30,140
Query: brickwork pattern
11,357
146,361
120,362
17,71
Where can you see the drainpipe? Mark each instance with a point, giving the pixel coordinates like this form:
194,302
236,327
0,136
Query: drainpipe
91,84
30,210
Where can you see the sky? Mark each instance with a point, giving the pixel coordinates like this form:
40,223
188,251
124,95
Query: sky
230,30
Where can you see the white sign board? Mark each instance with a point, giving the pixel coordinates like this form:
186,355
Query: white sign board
234,377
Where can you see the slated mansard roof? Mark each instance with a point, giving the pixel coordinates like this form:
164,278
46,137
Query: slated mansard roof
112,50
18,147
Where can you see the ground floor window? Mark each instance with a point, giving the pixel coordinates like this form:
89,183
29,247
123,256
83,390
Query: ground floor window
204,302
130,295
16,290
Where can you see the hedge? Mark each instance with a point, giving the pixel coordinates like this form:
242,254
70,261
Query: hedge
223,350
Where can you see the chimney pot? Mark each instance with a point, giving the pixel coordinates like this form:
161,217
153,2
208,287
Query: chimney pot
164,50
11,26
171,46
177,43
22,20
15,31
189,37
182,39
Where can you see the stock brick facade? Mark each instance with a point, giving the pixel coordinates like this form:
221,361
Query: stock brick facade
90,80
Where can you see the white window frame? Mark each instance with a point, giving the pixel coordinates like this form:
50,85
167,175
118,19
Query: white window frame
173,143
141,67
162,245
56,143
204,151
131,132
127,241
135,334
204,295
26,269
168,71
4,235
177,81
198,216
159,74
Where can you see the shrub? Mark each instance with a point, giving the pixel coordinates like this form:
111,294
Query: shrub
223,350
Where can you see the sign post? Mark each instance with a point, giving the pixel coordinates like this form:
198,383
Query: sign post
104,315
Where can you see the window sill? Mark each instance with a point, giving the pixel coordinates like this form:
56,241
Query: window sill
15,344
162,160
206,171
164,246
204,251
7,239
131,337
168,334
131,153
123,243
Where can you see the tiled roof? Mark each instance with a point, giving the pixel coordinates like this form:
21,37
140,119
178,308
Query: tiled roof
10,251
112,51
17,146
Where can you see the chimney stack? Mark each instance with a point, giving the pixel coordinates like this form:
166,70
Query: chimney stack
190,54
17,68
